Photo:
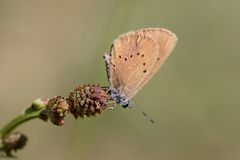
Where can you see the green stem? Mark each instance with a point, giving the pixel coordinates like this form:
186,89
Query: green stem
19,120
34,111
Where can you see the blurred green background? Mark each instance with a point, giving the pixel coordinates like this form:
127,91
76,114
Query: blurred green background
49,47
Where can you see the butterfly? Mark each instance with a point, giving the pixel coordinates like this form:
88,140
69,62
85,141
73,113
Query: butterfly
133,60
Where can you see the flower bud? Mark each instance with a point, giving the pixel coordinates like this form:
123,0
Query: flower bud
13,142
57,109
87,100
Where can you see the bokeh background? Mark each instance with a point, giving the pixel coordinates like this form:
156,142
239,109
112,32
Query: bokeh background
49,47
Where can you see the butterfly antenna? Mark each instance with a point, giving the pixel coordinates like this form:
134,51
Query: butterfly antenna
144,113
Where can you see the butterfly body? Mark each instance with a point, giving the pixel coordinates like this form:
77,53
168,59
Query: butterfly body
118,98
134,58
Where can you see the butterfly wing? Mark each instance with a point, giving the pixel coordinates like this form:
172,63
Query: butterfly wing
135,57
166,41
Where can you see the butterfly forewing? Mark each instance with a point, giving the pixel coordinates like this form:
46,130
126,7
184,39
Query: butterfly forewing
166,41
135,57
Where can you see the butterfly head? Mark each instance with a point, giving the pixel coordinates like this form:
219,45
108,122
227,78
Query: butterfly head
118,98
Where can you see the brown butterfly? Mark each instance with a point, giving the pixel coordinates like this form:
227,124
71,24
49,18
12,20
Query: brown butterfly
133,60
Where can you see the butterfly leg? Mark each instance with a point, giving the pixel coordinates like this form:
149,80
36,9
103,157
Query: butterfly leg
105,88
111,105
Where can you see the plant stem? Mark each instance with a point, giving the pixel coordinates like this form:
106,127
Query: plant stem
32,112
29,114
